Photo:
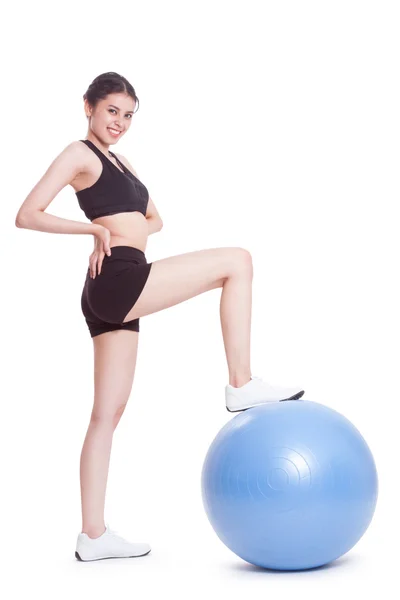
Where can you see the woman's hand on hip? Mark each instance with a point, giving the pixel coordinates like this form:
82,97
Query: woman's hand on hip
101,248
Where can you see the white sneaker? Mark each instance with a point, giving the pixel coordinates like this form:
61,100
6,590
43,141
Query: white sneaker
108,545
255,392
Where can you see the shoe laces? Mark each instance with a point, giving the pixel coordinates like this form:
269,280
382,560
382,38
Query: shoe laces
109,530
115,534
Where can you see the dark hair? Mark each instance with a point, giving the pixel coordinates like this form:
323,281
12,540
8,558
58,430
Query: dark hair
109,83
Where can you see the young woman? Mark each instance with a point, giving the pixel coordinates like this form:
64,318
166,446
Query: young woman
121,286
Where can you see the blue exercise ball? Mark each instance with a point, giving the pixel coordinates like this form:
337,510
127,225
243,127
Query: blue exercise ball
289,485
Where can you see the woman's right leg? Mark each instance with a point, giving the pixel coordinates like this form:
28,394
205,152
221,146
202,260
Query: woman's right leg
115,355
176,279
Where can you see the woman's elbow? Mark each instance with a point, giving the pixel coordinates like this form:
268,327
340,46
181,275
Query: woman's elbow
18,221
21,221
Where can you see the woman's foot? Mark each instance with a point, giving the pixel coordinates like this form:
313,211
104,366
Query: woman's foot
107,545
256,392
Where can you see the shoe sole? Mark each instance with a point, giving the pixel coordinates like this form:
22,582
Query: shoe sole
106,557
295,397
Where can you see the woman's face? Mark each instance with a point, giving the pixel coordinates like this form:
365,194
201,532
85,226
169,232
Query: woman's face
111,118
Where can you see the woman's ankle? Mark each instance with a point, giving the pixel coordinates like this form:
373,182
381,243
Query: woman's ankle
94,532
239,380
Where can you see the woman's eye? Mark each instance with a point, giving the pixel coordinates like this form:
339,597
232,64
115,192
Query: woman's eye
113,110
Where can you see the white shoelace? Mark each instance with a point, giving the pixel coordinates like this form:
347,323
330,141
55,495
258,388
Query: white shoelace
115,534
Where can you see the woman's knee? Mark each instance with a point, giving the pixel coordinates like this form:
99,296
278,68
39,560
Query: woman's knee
109,416
242,261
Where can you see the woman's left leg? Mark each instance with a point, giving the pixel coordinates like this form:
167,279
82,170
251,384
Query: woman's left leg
115,354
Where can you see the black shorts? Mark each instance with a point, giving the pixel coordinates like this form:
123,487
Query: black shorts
107,299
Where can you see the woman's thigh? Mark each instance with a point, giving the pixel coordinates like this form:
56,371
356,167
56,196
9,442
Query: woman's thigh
177,278
115,354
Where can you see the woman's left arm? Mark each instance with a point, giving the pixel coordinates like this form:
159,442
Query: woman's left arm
154,224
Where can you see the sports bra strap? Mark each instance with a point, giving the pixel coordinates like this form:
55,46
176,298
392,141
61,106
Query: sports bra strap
102,156
118,161
94,148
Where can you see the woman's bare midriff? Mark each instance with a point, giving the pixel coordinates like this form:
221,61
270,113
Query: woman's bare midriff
126,229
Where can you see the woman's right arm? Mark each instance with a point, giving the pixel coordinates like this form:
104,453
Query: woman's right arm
64,168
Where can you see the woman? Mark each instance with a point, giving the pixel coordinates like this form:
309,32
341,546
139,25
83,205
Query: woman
121,286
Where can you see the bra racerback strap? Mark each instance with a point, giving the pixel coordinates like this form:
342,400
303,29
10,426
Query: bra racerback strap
118,161
102,156
94,148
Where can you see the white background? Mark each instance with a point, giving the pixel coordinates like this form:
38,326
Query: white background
269,125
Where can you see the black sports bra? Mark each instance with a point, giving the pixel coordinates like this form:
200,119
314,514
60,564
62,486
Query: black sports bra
114,191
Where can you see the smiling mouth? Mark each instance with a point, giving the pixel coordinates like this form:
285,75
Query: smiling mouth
114,131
